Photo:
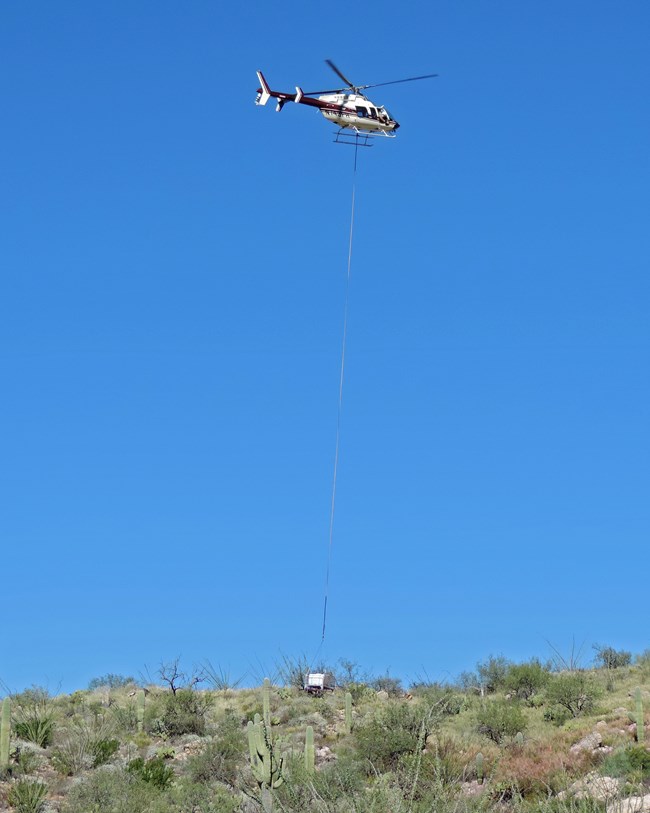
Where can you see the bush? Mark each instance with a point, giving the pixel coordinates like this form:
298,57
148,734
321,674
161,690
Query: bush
34,717
526,679
387,683
113,790
85,745
557,715
221,759
102,750
449,702
191,797
500,719
26,796
396,730
36,729
631,763
493,672
574,691
27,761
534,770
609,658
183,713
152,771
111,681
360,692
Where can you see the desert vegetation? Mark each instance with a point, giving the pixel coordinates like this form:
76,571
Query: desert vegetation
548,736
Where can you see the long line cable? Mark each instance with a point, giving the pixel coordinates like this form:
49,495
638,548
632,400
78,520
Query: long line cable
340,403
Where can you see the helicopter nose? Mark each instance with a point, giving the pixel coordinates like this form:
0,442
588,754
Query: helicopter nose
396,126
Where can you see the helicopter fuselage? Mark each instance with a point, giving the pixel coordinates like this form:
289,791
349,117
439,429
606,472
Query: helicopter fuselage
347,110
356,111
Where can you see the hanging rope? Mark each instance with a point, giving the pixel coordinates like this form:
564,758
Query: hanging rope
338,414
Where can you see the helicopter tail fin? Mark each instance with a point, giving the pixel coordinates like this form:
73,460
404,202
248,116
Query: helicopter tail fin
264,94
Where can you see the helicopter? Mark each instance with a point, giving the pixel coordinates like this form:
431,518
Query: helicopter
348,107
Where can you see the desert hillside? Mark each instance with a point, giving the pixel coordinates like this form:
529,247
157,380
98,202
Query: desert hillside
507,736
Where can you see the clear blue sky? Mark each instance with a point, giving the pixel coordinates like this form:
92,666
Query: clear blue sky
173,265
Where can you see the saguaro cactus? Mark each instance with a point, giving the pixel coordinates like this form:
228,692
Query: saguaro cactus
348,713
479,767
640,727
266,702
139,701
5,728
310,751
266,767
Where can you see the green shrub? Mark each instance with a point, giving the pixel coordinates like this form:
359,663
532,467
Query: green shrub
184,713
111,681
221,759
27,761
36,729
557,715
609,658
360,692
102,750
567,804
389,684
396,729
632,763
84,745
574,691
500,719
166,752
526,679
493,672
125,717
27,796
34,717
192,797
153,771
448,702
113,790
643,662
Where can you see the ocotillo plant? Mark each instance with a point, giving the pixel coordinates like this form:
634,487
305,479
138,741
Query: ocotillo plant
140,700
266,702
310,751
5,728
348,713
479,767
640,727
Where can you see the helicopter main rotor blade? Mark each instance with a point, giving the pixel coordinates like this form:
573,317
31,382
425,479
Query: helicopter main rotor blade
398,81
338,73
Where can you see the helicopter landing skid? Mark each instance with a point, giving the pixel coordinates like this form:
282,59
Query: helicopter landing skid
358,138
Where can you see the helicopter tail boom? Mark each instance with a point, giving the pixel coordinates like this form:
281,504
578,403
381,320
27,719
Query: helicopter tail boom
265,92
